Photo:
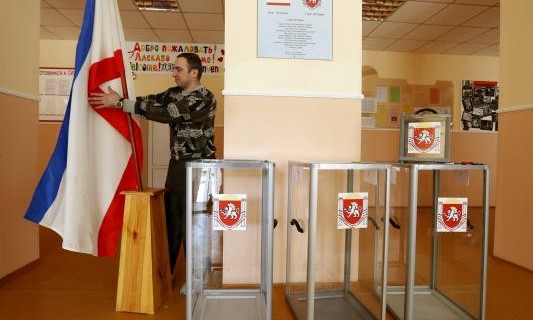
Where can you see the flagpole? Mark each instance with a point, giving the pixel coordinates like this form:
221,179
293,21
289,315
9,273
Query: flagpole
130,128
122,71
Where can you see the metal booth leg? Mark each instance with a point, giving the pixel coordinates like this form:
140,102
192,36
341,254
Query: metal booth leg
348,240
411,243
435,240
188,243
484,257
313,190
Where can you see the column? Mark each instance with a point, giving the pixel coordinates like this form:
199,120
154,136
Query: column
289,109
514,222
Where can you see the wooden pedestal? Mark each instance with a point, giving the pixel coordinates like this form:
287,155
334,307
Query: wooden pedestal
144,281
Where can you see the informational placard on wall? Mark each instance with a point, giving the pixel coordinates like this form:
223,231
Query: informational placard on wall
159,57
295,29
54,90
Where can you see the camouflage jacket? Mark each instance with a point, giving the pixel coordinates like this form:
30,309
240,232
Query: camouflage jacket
191,117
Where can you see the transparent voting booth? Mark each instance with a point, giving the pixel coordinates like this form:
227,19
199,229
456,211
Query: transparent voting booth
336,240
439,241
229,239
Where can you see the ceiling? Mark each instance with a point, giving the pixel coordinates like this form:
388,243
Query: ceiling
468,27
199,21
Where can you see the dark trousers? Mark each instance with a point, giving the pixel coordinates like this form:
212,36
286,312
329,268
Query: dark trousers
175,208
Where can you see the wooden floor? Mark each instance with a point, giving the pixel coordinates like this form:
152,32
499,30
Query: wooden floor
66,285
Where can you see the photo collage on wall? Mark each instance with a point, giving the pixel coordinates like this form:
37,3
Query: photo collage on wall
480,105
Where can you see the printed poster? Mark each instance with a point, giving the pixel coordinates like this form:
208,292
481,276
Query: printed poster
229,212
352,210
394,115
368,122
394,94
382,116
382,94
434,96
480,100
369,105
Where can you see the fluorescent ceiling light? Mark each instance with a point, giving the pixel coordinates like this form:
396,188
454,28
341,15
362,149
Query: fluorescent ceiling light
379,10
157,5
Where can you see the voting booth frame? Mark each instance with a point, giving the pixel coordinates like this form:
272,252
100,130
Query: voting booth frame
348,284
209,297
431,298
330,289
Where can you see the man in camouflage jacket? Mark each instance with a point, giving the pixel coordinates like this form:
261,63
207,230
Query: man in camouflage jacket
189,109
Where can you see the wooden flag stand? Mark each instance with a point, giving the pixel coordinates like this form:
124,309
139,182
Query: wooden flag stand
144,282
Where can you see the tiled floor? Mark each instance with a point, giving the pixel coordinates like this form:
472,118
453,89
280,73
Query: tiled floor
66,285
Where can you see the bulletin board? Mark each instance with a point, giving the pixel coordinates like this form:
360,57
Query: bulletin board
54,91
387,99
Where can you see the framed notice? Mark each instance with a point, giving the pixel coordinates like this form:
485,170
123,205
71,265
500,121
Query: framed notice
54,91
295,29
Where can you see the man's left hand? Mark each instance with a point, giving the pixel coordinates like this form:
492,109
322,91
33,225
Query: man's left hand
105,99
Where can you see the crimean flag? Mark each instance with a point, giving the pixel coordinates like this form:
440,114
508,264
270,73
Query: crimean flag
78,195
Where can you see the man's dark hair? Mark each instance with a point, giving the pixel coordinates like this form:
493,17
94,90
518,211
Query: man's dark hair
194,62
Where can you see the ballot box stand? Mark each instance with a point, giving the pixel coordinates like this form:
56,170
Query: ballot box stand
144,282
335,266
423,293
205,301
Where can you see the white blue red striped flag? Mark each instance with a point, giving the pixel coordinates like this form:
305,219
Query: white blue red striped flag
78,194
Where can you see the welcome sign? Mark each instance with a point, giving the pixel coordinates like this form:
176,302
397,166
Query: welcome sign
159,57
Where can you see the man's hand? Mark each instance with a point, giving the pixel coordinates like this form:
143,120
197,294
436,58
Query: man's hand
104,100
